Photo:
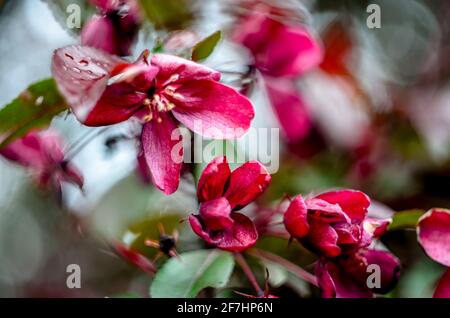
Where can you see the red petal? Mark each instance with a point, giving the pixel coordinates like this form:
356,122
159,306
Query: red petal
348,233
213,110
289,107
163,153
118,103
135,258
443,287
215,214
240,236
434,235
353,203
236,238
330,274
82,74
212,181
326,212
389,266
171,65
295,219
322,238
99,33
246,183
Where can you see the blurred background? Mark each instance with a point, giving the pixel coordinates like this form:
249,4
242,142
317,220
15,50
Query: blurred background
378,103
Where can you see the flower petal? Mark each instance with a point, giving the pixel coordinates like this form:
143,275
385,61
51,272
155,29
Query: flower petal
135,258
322,238
236,238
289,107
326,212
389,269
215,214
295,219
433,234
353,203
185,70
163,151
324,279
212,182
213,110
443,287
99,33
240,236
246,183
82,74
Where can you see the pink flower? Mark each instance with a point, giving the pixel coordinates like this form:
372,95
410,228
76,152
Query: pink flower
346,276
41,153
331,223
433,233
281,52
221,193
335,226
161,91
115,28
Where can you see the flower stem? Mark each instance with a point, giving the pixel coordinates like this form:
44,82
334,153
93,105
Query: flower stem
291,267
248,272
78,145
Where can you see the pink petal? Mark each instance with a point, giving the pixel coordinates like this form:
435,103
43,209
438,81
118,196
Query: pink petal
163,151
184,70
215,214
240,236
211,184
353,203
291,50
99,33
82,74
330,274
135,258
325,211
324,279
433,234
246,183
348,233
289,108
389,266
72,174
295,219
443,287
322,238
213,110
376,227
236,238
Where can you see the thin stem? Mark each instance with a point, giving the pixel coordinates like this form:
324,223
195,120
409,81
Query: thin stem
80,144
291,267
248,272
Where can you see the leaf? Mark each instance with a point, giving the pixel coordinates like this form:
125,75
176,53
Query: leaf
204,48
167,14
34,108
62,12
406,219
194,271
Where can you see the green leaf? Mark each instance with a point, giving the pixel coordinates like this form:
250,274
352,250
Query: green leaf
63,13
194,271
406,219
167,14
34,108
204,48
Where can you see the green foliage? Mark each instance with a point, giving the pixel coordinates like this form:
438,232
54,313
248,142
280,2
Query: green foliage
204,48
167,14
406,219
33,108
194,271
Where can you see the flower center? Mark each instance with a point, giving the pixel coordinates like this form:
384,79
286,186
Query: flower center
160,100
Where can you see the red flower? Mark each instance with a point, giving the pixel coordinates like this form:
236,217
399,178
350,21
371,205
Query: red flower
347,275
161,91
222,192
41,153
115,28
334,226
330,223
290,52
433,233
